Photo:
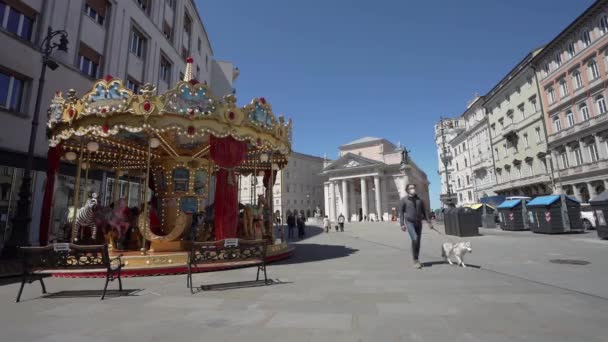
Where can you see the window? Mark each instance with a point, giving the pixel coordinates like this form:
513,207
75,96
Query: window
167,31
466,163
95,13
586,38
530,168
600,102
604,24
468,180
133,85
165,69
522,111
88,67
557,125
11,91
138,43
187,32
571,50
570,118
170,3
564,157
469,195
526,142
577,80
19,21
563,88
199,46
583,111
534,104
144,5
508,99
593,153
578,155
496,153
594,71
538,136
558,59
546,69
198,72
551,95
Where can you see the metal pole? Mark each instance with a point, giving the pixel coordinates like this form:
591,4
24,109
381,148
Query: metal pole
77,191
85,194
146,219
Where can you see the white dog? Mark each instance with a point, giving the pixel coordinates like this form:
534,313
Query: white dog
458,250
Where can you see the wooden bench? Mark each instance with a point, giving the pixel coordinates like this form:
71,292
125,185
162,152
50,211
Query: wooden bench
228,253
66,258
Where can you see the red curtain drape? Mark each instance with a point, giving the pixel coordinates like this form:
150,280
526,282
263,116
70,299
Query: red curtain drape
53,162
227,153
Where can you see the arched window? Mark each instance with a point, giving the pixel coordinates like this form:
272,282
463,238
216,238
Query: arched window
570,118
583,111
593,70
600,103
586,38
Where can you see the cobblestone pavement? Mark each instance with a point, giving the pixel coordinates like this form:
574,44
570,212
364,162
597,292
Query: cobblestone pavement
359,285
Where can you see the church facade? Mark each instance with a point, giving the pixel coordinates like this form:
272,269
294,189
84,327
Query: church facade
368,179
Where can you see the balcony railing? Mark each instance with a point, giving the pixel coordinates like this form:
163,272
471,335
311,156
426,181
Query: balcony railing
579,127
584,168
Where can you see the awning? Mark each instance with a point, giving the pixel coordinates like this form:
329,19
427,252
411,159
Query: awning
509,204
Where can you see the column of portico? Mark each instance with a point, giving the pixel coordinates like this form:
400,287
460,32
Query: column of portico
386,187
345,198
364,197
377,195
591,189
577,192
326,197
332,201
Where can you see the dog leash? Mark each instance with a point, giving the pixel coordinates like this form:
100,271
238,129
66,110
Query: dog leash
440,233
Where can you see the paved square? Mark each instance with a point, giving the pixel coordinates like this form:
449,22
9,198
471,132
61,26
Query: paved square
359,285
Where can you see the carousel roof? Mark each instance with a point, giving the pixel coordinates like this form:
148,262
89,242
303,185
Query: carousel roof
182,119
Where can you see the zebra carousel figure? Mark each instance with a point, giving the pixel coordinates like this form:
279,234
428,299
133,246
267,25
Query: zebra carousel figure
85,217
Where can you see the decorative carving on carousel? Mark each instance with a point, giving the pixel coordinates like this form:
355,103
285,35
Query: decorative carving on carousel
108,96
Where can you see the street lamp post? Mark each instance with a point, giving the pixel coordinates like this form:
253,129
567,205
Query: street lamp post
21,221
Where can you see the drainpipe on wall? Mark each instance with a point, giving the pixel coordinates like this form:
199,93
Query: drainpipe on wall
544,126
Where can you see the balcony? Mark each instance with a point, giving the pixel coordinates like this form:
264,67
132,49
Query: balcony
580,170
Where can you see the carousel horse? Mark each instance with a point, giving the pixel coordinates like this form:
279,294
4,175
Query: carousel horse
85,217
118,220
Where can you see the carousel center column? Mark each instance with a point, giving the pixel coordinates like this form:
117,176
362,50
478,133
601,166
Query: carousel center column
345,198
364,198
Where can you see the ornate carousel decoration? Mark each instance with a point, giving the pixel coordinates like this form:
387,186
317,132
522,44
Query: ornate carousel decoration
182,143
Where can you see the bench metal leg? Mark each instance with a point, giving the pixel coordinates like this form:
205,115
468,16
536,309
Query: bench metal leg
105,287
265,276
257,277
119,283
43,286
23,280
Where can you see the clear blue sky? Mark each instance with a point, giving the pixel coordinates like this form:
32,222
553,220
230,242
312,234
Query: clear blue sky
387,68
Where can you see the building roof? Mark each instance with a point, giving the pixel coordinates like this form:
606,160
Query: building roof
351,160
362,140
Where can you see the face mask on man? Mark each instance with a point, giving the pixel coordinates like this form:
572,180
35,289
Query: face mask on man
412,191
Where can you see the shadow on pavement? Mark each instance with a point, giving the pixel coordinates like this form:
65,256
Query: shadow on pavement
239,285
93,293
311,252
310,231
441,262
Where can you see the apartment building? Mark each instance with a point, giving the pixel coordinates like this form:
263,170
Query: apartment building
481,161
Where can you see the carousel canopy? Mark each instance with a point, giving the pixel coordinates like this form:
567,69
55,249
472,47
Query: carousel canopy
116,126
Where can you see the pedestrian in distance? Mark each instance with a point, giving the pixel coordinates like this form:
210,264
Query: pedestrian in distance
341,220
301,226
291,225
326,224
412,211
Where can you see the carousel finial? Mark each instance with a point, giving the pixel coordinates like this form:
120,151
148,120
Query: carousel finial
188,74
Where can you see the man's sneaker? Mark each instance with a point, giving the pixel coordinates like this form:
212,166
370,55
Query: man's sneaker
417,264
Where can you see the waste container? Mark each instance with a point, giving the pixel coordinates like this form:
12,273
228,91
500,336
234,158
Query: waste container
512,215
554,214
461,222
599,205
486,214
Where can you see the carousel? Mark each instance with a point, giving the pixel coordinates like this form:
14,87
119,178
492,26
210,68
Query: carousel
188,150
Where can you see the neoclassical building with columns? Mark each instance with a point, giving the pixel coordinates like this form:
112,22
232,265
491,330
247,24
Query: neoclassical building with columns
368,180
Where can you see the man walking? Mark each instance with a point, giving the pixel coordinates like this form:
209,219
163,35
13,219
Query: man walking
341,220
412,212
291,225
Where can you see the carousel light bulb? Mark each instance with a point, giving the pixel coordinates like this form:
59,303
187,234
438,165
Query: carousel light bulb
154,142
84,166
92,146
71,156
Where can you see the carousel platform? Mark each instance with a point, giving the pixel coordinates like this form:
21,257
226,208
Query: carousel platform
170,263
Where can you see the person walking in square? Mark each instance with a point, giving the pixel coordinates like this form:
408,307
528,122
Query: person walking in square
301,226
326,224
291,225
341,220
412,211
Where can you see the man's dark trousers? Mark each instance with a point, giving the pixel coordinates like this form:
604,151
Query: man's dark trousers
415,231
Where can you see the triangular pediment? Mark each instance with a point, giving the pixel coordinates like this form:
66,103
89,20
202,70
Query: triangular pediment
349,161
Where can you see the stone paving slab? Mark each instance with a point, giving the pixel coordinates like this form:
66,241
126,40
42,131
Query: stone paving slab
354,286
